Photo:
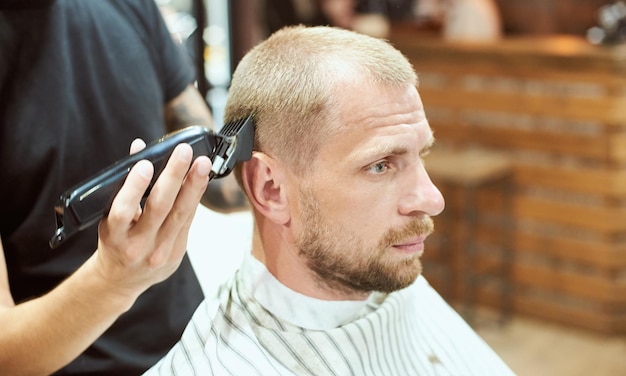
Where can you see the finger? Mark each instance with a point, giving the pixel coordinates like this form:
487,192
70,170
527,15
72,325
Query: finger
137,145
180,245
165,189
137,213
173,247
189,196
124,206
176,226
193,188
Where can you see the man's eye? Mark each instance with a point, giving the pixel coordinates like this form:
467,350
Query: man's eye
379,168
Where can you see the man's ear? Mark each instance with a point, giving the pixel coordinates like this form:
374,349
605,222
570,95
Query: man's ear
264,179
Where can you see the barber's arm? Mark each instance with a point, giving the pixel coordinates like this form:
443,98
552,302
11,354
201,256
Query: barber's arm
136,249
189,108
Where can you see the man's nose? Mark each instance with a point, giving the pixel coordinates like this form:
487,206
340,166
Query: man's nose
422,196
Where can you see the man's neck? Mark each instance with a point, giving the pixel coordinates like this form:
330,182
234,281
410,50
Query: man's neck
285,264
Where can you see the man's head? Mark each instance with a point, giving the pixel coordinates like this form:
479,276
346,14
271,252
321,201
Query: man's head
341,199
288,82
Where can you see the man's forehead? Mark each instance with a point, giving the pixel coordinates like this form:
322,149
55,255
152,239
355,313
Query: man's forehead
366,114
356,102
365,145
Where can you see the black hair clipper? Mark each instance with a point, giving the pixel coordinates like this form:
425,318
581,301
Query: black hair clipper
86,203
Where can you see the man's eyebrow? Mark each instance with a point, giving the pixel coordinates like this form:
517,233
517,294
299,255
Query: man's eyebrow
382,150
385,150
426,149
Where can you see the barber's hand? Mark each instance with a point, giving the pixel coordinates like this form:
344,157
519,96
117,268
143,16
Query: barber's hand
138,248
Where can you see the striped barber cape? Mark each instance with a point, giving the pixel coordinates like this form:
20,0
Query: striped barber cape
409,332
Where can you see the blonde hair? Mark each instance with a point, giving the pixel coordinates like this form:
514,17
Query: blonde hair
287,83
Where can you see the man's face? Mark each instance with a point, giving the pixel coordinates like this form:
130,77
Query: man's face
364,210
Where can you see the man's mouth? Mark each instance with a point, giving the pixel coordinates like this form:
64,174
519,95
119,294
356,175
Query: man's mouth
412,246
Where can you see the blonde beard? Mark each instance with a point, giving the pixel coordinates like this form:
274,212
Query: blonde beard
342,262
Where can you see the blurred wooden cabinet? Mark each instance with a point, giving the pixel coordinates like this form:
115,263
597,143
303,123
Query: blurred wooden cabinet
557,107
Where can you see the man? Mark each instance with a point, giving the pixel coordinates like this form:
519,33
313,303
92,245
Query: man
79,80
342,205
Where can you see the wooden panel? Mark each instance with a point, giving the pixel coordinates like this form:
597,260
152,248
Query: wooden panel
598,254
582,146
603,109
425,65
599,181
596,288
617,145
467,168
606,220
558,54
588,318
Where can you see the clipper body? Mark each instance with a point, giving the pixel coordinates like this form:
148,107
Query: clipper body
86,203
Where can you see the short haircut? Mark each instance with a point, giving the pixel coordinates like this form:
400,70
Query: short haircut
287,84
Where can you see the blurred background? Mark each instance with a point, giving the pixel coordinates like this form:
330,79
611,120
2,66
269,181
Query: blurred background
527,99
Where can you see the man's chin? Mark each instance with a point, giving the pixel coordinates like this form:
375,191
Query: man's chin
401,278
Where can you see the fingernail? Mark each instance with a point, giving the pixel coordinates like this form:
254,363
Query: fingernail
185,153
137,145
144,168
204,166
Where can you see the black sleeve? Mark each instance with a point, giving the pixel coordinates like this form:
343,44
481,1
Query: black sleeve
170,57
